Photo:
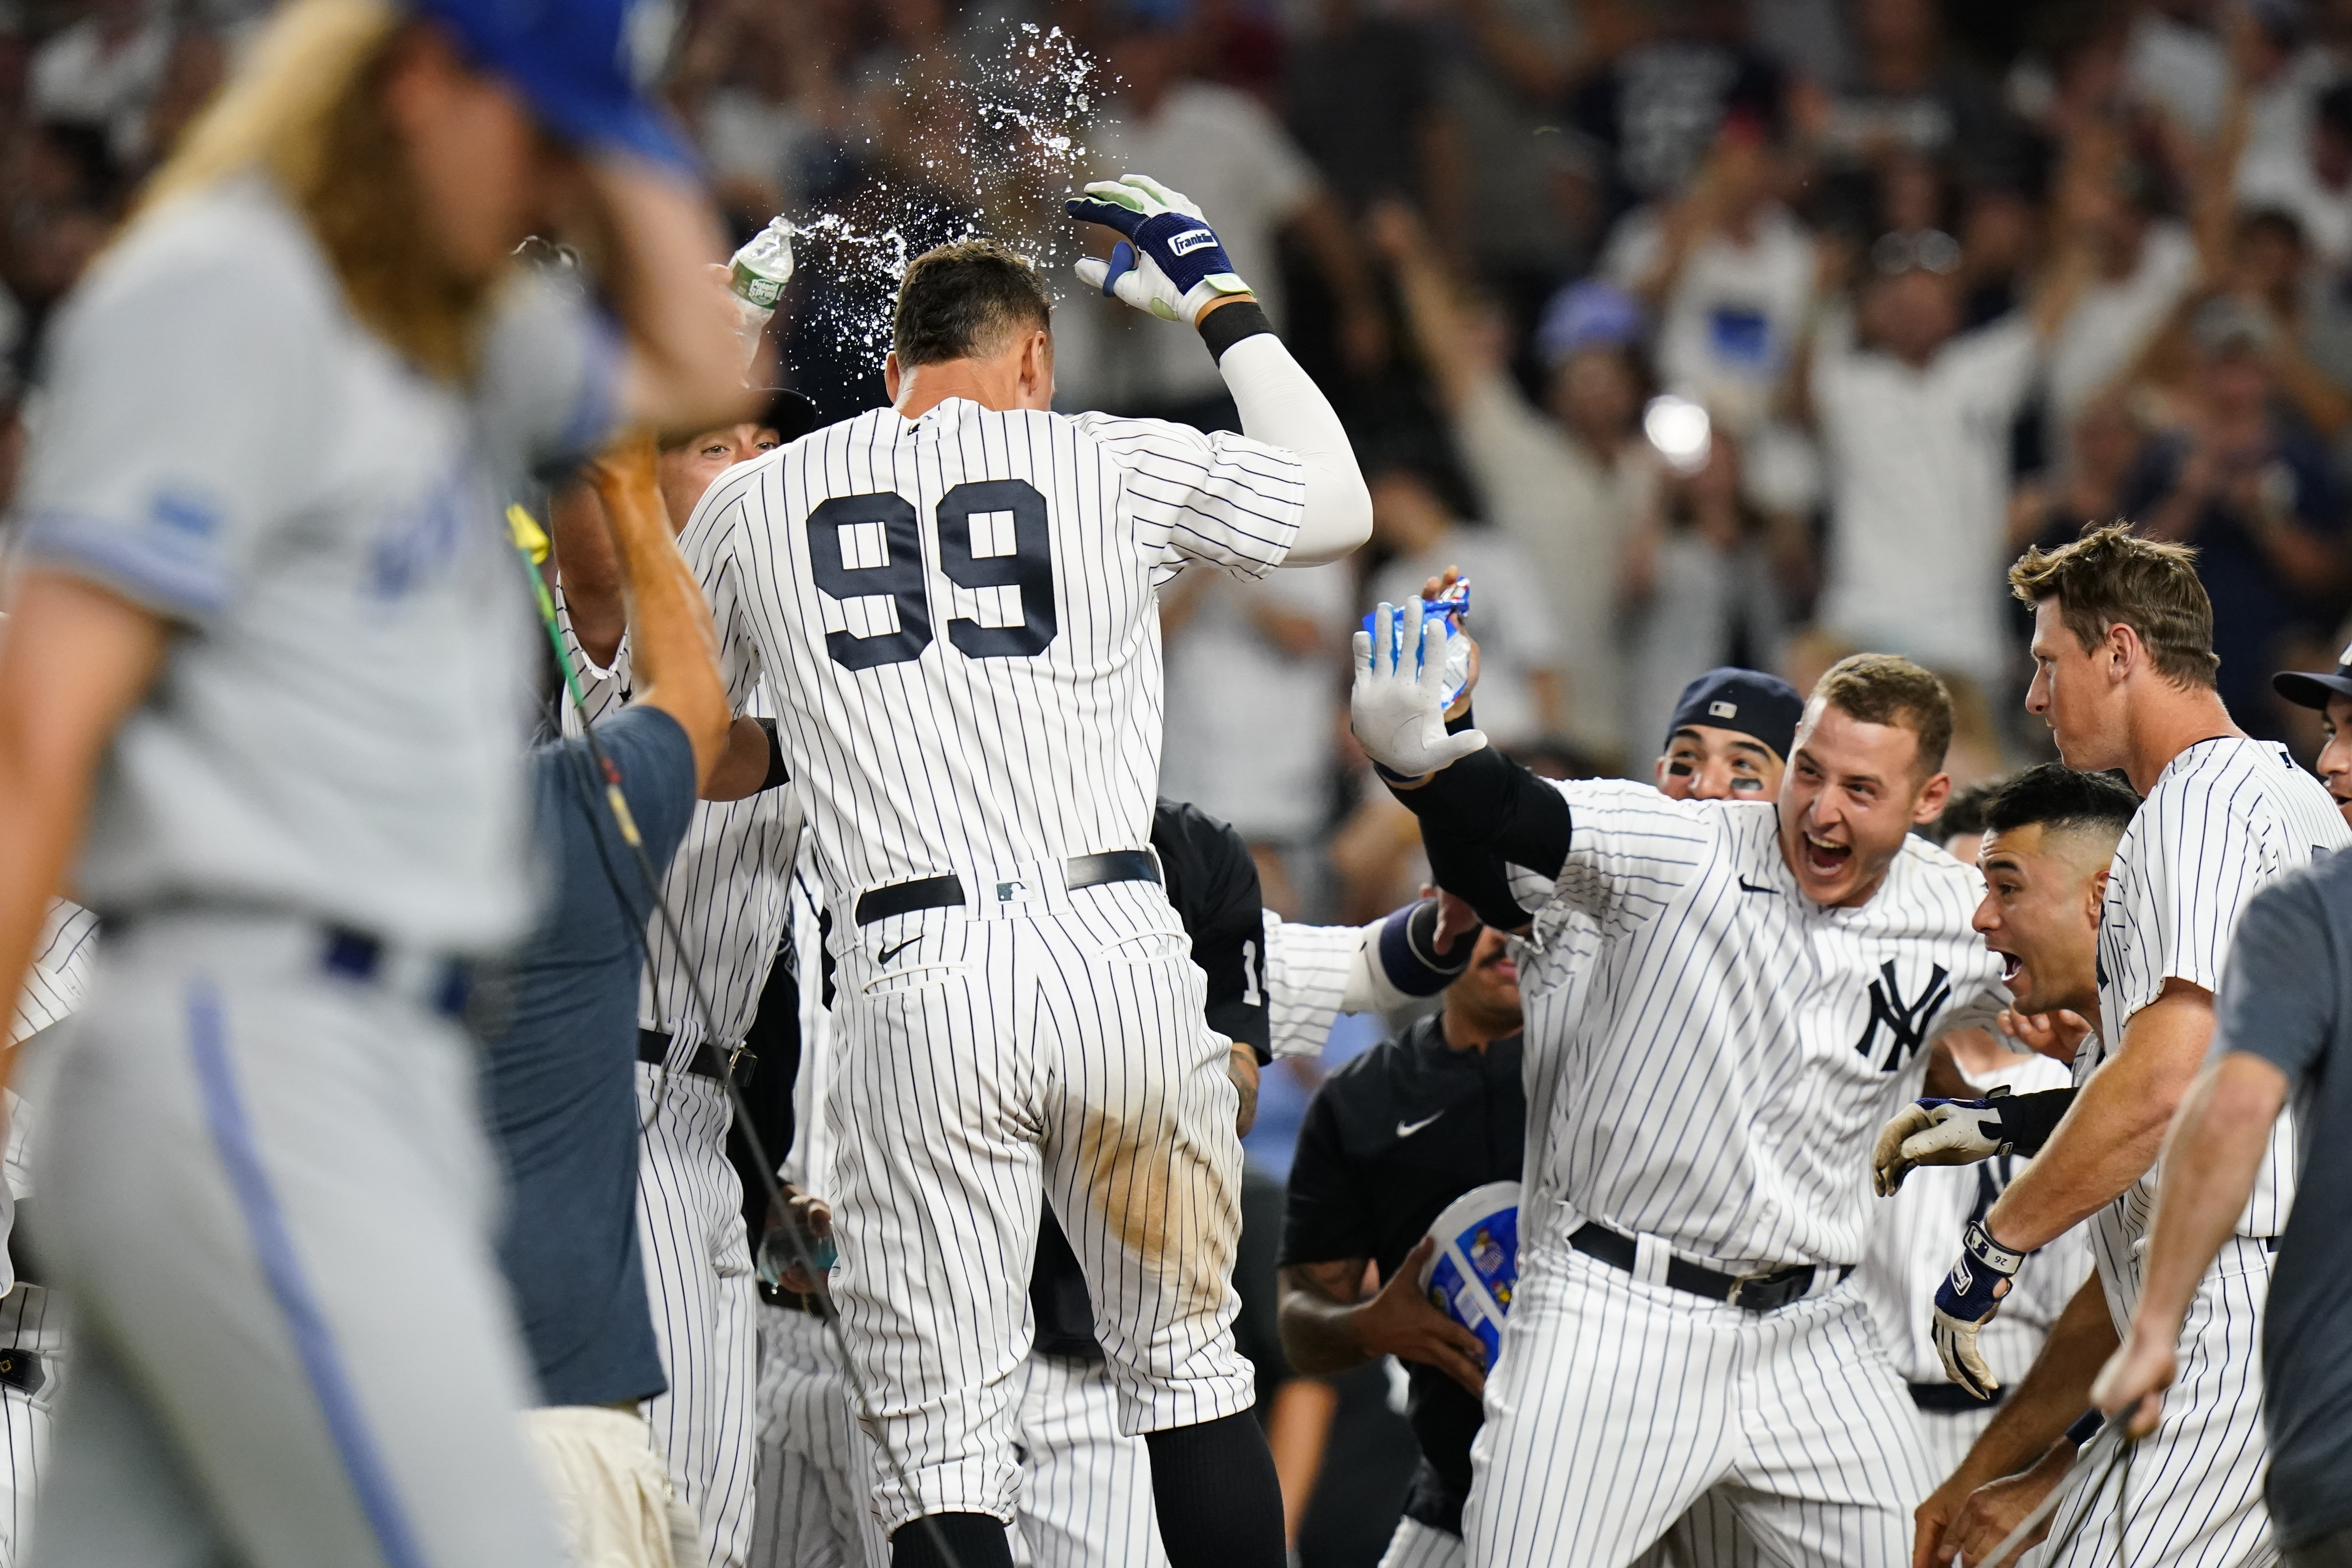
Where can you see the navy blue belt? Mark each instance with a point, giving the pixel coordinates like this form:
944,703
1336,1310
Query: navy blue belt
1951,1399
354,954
1750,1292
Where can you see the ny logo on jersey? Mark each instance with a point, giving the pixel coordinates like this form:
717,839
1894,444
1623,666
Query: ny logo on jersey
1906,1021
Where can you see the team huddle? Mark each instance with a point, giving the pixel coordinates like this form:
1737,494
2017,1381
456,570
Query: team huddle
1810,1118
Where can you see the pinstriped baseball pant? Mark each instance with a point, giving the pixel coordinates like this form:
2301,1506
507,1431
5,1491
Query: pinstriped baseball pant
1616,1405
2194,1495
30,1318
1055,1049
813,1482
705,1303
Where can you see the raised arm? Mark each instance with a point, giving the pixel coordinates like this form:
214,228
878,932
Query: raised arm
672,646
1196,285
654,240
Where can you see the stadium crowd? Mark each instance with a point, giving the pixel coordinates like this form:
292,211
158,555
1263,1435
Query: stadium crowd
1695,332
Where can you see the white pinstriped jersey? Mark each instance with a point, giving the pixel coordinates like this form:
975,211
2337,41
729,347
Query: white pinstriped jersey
1730,1049
1306,969
956,618
60,971
725,886
2227,818
1911,1251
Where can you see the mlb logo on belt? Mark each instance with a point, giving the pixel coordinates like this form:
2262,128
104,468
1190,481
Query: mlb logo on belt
1013,892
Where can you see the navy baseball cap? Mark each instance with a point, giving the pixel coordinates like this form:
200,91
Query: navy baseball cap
1750,701
581,66
2306,690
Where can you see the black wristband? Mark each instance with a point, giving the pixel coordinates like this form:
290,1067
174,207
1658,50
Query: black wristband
1226,325
2086,1428
777,772
2028,1119
1468,721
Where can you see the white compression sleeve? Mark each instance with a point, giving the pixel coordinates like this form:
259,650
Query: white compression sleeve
1279,405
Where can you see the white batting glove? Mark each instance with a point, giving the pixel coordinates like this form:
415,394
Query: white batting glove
1397,707
1936,1132
1170,261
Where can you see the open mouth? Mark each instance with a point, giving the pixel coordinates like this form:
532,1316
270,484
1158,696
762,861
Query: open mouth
1824,858
1503,969
2011,967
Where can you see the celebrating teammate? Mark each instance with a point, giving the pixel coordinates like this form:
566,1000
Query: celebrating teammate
2124,668
2330,694
275,650
1762,982
952,600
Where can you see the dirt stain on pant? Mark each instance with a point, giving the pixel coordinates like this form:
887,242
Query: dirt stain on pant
1173,1209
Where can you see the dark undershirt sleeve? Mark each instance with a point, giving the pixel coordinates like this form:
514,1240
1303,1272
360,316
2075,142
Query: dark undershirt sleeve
1325,1214
1488,803
2030,1119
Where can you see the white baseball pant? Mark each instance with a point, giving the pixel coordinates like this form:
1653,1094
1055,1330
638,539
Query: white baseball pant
1617,1404
2192,1494
705,1301
991,1054
1419,1545
31,1319
813,1481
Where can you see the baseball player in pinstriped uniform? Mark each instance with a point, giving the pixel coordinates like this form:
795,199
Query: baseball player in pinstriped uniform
952,602
277,650
32,1322
726,891
2124,672
1762,982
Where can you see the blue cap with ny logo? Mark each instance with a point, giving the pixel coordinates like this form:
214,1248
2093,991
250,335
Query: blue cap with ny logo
584,66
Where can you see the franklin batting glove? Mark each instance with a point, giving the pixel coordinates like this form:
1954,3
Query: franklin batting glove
1171,263
1397,707
1967,1300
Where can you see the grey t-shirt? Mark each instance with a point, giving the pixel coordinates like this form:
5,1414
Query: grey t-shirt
2286,998
339,724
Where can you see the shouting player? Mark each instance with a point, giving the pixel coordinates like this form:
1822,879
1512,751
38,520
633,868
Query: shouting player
2124,669
1762,982
952,602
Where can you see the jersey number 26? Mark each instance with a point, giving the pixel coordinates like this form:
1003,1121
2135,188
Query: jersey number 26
1030,567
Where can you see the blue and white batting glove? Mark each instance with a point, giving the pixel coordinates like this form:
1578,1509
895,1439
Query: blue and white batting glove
1938,1132
1967,1300
1171,263
1397,707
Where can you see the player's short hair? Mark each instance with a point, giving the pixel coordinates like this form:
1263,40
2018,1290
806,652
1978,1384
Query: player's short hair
961,302
1964,811
2112,577
1885,688
2057,796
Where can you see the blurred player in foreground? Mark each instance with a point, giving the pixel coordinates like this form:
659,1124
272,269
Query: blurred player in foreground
266,670
2124,671
559,1076
952,601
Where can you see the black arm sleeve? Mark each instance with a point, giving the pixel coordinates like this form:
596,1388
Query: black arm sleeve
2028,1119
1472,875
1213,883
1487,801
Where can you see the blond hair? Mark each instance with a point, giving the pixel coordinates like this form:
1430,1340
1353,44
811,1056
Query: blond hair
307,112
2112,577
1885,688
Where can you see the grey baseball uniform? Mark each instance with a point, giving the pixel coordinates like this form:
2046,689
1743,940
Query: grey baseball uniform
316,813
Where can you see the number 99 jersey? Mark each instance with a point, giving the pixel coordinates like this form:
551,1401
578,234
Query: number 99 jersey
956,614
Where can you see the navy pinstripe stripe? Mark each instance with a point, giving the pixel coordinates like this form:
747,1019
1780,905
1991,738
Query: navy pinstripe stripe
305,1323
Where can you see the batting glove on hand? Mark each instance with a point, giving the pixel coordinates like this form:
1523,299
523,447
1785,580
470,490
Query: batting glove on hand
1938,1132
1171,263
1397,707
1967,1300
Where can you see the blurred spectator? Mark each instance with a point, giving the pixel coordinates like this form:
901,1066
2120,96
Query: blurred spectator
2145,265
1361,100
2316,187
755,79
1568,483
1730,271
1220,148
1698,589
2108,442
1649,114
1254,670
104,70
1915,425
1528,206
2255,494
1518,672
1906,97
2174,59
